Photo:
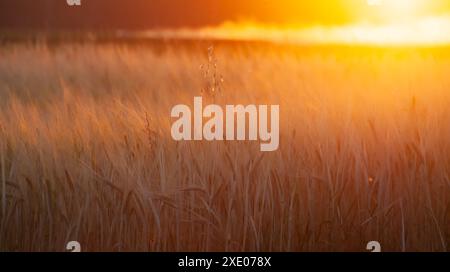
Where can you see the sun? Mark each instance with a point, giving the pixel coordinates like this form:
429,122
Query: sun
392,3
396,8
374,2
402,5
395,5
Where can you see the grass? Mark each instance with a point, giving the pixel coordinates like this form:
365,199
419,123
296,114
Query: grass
86,152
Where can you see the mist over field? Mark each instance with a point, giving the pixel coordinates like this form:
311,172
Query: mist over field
86,152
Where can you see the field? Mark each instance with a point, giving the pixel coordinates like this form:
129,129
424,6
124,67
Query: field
86,152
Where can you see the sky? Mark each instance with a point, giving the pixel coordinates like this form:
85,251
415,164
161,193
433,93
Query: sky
151,14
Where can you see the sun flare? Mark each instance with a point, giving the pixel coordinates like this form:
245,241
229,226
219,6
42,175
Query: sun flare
380,22
396,9
433,31
397,4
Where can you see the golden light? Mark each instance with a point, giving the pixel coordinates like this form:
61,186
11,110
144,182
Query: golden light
392,3
374,2
378,22
396,9
396,4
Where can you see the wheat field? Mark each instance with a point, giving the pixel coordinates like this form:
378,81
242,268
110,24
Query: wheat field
86,152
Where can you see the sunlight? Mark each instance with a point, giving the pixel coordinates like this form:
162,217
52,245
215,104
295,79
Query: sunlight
396,9
394,4
382,22
426,31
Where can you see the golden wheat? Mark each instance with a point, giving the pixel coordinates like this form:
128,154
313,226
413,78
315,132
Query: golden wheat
86,152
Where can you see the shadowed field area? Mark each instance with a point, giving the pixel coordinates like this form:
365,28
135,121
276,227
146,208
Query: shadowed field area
86,152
